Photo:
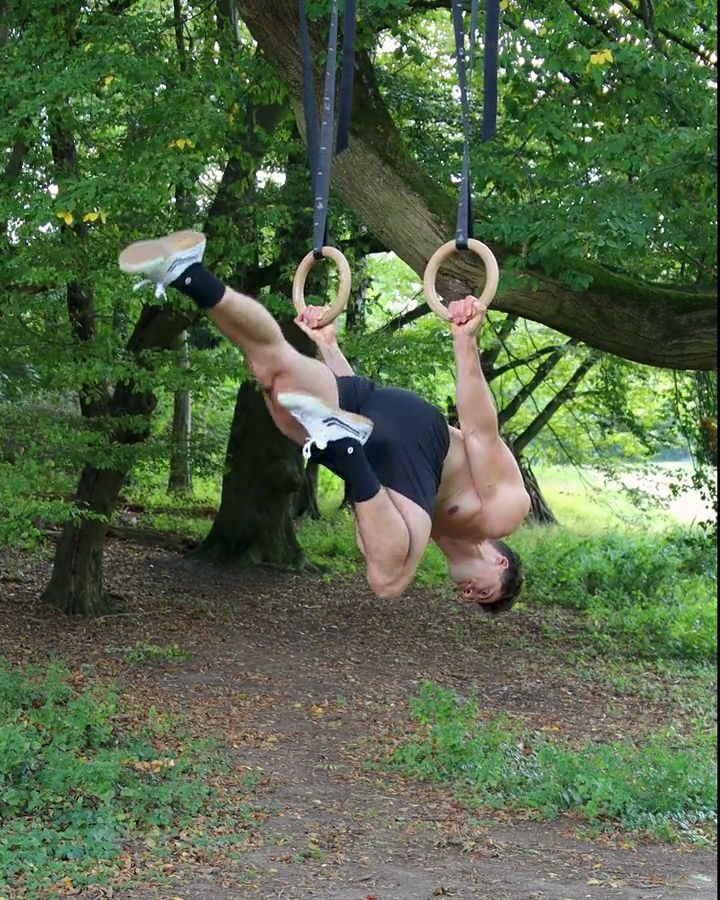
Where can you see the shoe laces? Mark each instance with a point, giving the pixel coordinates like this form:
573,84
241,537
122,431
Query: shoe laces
159,287
319,441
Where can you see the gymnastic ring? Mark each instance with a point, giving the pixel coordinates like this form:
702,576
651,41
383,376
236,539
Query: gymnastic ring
298,291
492,278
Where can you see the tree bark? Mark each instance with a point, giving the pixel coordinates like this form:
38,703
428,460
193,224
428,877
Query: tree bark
540,512
411,215
180,477
263,469
263,472
76,583
306,502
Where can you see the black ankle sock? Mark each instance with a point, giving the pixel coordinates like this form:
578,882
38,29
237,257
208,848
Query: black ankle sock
347,459
199,284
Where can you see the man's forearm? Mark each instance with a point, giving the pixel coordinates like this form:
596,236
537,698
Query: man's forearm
335,360
475,404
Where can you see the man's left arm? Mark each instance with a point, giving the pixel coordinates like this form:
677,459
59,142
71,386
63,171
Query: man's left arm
490,461
475,404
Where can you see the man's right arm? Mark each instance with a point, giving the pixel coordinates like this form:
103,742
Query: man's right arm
325,337
334,358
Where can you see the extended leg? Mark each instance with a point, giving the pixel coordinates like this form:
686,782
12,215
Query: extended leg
175,260
276,364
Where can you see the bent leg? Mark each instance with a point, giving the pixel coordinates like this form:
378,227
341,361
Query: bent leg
393,533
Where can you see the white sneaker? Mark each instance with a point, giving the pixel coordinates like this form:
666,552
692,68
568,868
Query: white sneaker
324,423
163,260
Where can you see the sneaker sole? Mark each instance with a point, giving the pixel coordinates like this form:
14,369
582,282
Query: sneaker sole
309,403
137,258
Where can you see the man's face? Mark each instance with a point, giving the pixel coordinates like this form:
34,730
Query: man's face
480,579
485,588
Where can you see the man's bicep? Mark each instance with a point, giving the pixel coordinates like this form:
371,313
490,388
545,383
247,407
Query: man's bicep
489,459
478,419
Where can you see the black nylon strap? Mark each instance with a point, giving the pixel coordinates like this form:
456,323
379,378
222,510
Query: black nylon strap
309,102
323,163
464,230
320,138
465,66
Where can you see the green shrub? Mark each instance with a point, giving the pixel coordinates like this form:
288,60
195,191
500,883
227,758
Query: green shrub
75,789
648,594
498,763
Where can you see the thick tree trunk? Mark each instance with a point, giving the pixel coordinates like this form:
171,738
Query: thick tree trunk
263,472
540,512
306,502
76,584
411,215
180,478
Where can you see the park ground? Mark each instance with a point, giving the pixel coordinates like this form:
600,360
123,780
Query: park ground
305,682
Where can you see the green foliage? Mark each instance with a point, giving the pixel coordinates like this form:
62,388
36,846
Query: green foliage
661,787
650,595
330,545
152,653
76,789
22,511
563,181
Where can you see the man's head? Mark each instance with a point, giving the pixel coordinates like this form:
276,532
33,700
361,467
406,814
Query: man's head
489,574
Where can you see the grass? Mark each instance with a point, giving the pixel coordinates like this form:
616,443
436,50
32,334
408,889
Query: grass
584,498
78,791
660,788
641,594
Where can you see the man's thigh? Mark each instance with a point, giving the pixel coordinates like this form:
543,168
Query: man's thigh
418,524
288,371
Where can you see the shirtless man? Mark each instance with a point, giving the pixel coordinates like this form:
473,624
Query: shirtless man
410,476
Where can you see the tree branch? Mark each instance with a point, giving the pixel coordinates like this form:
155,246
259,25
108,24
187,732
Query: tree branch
412,215
516,363
644,15
404,319
527,390
490,355
563,395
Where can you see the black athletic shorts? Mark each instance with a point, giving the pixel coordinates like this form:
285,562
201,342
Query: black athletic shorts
410,440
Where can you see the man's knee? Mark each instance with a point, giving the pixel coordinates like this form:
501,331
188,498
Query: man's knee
388,584
270,362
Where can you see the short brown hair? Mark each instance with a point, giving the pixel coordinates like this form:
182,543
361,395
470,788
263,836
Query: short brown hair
511,583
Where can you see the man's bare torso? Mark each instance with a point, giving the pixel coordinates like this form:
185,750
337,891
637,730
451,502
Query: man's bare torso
493,509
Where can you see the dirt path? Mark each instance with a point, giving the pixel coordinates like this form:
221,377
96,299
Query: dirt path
306,683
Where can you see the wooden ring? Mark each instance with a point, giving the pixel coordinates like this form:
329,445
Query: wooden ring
298,291
492,278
